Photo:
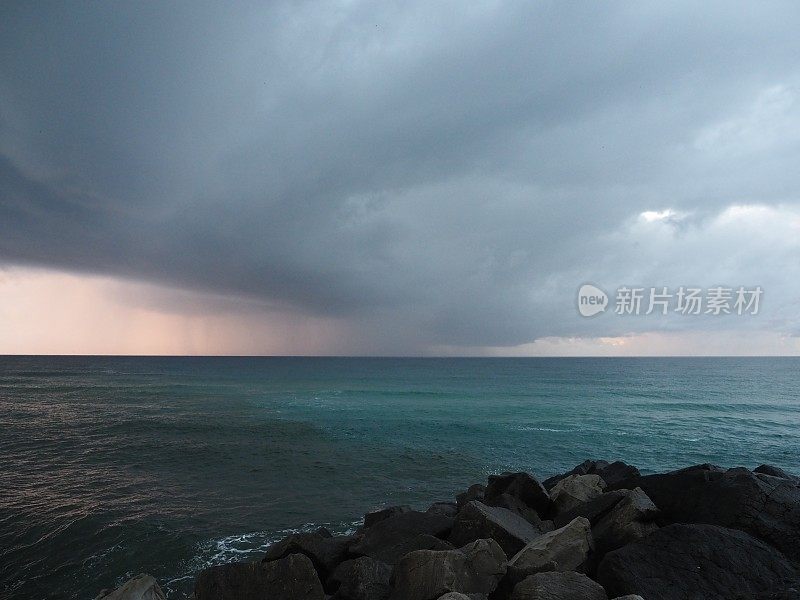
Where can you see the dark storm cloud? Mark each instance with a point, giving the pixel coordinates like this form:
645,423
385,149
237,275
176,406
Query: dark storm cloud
452,170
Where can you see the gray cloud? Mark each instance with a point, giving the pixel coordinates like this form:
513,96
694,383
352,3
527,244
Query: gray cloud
432,175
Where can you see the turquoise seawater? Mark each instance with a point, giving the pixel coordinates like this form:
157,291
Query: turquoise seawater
114,466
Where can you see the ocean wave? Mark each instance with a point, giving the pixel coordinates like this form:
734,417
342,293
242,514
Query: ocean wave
242,547
548,429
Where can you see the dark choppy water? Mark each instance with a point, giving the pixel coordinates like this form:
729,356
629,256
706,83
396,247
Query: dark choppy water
114,466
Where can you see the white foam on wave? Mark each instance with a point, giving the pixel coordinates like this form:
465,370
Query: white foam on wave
242,547
549,429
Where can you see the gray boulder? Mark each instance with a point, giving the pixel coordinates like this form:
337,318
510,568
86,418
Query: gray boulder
391,538
475,568
564,549
575,490
477,521
558,586
361,579
764,506
289,578
141,587
629,597
694,561
631,519
522,486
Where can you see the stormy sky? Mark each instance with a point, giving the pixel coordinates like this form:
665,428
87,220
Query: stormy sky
395,178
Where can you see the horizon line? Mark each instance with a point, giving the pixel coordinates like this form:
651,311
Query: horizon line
394,356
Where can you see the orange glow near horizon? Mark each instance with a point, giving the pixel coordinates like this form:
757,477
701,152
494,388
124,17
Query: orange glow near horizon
50,312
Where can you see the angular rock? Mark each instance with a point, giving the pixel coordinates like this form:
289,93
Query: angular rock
427,575
361,579
379,515
389,539
572,491
459,596
612,473
517,506
763,506
289,578
565,549
486,558
694,561
673,479
324,551
558,586
629,597
631,519
523,486
474,492
141,587
477,521
585,468
616,472
422,541
594,510
449,509
776,472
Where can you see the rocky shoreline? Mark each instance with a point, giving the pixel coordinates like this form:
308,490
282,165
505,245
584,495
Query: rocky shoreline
598,532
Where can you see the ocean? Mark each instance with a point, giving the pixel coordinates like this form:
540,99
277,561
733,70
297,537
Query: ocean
113,466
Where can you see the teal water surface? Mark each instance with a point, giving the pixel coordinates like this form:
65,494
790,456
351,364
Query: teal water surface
115,466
